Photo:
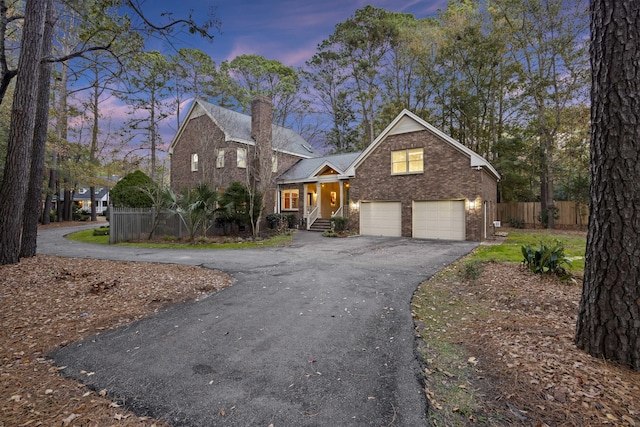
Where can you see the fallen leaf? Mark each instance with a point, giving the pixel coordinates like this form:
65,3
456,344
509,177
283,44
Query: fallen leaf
69,419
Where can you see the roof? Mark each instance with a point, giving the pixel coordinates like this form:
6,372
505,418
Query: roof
405,122
83,193
308,168
237,127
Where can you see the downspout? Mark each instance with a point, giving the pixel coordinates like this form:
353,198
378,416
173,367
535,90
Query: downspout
484,206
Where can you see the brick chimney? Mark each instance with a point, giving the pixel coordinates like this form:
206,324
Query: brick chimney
261,120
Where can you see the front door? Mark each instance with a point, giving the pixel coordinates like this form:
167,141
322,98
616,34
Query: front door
329,199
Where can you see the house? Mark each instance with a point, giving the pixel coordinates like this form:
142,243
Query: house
412,181
82,197
218,146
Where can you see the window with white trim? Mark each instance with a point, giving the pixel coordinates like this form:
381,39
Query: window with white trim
220,159
194,162
407,161
274,163
242,157
290,200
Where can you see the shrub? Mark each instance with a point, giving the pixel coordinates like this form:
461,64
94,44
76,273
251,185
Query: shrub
102,231
546,259
515,222
543,216
281,221
339,223
128,193
471,270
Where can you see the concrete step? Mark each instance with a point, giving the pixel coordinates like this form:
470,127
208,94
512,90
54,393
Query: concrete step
321,224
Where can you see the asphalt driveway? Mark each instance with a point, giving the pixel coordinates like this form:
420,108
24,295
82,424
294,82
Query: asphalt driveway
318,333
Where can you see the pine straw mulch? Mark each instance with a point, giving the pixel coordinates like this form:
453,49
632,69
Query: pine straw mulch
47,302
517,329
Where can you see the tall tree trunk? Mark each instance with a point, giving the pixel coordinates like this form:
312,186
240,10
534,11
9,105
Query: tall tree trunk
62,126
15,181
33,202
153,134
547,207
48,200
94,142
609,314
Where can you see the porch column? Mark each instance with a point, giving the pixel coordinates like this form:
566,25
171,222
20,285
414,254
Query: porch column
304,203
318,203
341,195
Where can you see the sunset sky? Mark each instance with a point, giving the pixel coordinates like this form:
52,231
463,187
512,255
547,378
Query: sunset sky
286,30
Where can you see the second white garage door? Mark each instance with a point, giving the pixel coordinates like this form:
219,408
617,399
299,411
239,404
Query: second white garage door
442,219
381,218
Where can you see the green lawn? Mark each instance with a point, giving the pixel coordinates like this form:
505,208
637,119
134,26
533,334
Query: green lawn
511,249
86,236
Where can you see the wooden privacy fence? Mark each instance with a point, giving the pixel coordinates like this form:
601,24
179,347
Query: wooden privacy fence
569,214
126,224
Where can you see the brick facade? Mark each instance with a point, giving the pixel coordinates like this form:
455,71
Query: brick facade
201,136
447,176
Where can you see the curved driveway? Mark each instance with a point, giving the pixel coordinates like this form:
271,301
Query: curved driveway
317,333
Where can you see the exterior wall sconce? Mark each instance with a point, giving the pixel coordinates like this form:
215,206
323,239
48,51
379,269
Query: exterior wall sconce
472,204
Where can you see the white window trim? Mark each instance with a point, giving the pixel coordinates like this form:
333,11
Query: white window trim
286,195
244,157
220,158
194,162
407,162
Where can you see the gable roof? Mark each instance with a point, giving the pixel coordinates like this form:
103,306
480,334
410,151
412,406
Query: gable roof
237,127
406,122
307,169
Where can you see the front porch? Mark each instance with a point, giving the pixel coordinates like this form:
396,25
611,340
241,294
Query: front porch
322,201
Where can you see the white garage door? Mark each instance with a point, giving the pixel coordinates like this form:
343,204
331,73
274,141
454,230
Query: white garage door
381,218
443,219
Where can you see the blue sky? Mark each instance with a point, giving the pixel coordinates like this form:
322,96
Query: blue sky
286,30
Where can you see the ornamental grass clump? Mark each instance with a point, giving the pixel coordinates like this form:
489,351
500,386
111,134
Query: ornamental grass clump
547,259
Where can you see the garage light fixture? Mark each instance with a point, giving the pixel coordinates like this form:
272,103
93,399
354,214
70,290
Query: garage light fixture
472,204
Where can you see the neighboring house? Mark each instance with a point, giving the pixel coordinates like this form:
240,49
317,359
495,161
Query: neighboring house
82,197
412,181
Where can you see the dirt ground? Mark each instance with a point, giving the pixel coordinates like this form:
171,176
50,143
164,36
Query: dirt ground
47,302
517,328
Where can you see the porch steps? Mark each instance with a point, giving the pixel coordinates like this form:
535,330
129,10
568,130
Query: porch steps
320,224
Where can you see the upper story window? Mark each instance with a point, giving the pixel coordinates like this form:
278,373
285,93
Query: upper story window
194,162
407,161
242,157
220,159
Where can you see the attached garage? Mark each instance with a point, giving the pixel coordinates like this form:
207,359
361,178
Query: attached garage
381,219
441,219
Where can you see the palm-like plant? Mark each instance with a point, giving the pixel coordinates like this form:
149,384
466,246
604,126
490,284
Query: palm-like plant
196,208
